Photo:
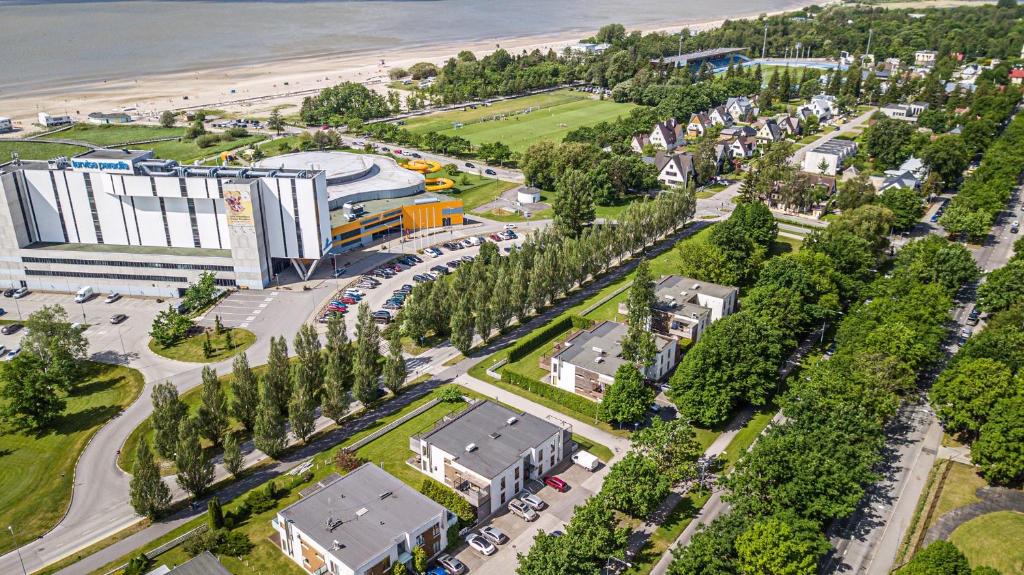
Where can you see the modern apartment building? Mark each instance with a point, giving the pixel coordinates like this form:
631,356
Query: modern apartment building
685,307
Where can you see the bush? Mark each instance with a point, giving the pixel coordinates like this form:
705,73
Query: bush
300,479
207,140
259,501
450,500
580,322
236,132
139,565
347,460
397,73
567,399
526,345
219,541
450,394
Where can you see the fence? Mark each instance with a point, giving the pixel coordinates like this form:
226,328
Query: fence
384,430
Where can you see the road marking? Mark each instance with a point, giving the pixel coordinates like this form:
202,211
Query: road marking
250,318
268,299
263,305
256,311
246,324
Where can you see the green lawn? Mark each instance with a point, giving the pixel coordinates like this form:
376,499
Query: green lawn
476,191
554,115
191,348
183,151
37,470
745,437
993,540
958,490
37,151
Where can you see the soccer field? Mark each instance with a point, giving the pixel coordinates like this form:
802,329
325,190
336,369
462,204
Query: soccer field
551,117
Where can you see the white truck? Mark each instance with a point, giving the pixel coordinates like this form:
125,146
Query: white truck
84,295
586,460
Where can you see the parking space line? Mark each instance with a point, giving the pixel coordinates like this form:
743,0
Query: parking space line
250,318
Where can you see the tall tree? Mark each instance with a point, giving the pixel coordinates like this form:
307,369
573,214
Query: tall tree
195,469
672,445
639,345
32,397
310,361
635,486
461,325
574,202
149,494
213,413
394,365
337,392
776,547
269,433
999,450
277,378
168,411
233,461
245,388
627,399
366,367
302,406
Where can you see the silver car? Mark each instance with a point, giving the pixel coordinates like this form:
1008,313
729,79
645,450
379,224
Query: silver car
517,507
450,564
481,545
536,503
494,535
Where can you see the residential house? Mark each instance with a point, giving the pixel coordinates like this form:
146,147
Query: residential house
720,116
639,141
825,106
736,131
790,126
488,452
586,362
674,169
816,189
906,180
666,135
699,124
740,108
205,563
925,58
685,307
769,131
908,112
1017,75
360,524
831,155
723,155
743,147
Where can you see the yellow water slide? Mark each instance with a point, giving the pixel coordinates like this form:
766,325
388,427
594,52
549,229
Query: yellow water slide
430,167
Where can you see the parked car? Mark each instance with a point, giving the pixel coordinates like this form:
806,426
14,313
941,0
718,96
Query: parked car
584,459
10,328
494,535
532,500
117,318
468,259
1015,227
439,270
112,297
490,172
8,292
451,565
509,226
13,352
556,483
972,318
481,545
470,165
20,293
519,509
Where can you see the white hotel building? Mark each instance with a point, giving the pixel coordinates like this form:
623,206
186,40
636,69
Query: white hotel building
123,220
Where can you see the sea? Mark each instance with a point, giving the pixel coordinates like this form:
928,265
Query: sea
47,44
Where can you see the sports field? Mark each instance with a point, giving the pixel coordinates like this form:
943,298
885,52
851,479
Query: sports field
551,117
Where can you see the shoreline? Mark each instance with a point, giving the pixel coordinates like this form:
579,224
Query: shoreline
256,88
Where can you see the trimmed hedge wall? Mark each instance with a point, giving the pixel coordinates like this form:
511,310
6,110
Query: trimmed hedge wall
526,345
567,399
450,500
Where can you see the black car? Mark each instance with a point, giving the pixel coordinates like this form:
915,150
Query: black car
490,172
9,292
470,165
10,328
439,269
454,264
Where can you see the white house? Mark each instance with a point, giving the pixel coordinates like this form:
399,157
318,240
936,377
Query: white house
48,121
674,169
698,125
638,142
488,452
908,112
685,307
665,135
743,147
833,153
925,58
740,108
586,362
111,118
360,524
528,195
824,106
769,131
720,116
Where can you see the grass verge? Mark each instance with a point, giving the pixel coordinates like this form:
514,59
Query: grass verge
37,469
191,348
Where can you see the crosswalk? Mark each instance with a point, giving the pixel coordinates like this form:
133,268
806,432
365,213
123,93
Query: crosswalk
240,309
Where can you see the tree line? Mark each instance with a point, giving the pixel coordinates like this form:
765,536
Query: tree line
486,295
286,396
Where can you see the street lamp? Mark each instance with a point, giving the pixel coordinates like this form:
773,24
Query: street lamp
18,549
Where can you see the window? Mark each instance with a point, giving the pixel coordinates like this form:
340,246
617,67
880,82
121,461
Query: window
517,475
552,458
127,264
503,483
517,487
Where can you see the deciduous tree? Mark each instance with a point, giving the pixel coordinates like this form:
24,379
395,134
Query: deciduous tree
213,413
245,390
168,411
628,398
149,494
195,469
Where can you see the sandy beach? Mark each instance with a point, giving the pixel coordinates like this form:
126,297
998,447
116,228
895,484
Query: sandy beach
257,88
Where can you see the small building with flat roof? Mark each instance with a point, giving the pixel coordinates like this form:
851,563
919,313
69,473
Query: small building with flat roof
488,452
205,563
685,307
828,157
362,523
586,362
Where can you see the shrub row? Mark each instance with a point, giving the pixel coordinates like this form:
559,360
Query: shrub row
524,346
566,399
450,500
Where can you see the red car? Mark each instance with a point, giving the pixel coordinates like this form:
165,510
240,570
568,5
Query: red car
348,300
556,483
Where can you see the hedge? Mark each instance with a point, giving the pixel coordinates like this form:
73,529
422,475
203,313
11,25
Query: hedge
566,399
449,499
524,346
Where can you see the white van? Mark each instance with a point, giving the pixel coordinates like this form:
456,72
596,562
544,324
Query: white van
84,295
586,460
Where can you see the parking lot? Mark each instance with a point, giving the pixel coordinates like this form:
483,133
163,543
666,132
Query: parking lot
104,338
554,517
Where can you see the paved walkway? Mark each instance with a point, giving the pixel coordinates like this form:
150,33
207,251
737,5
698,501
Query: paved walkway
992,499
